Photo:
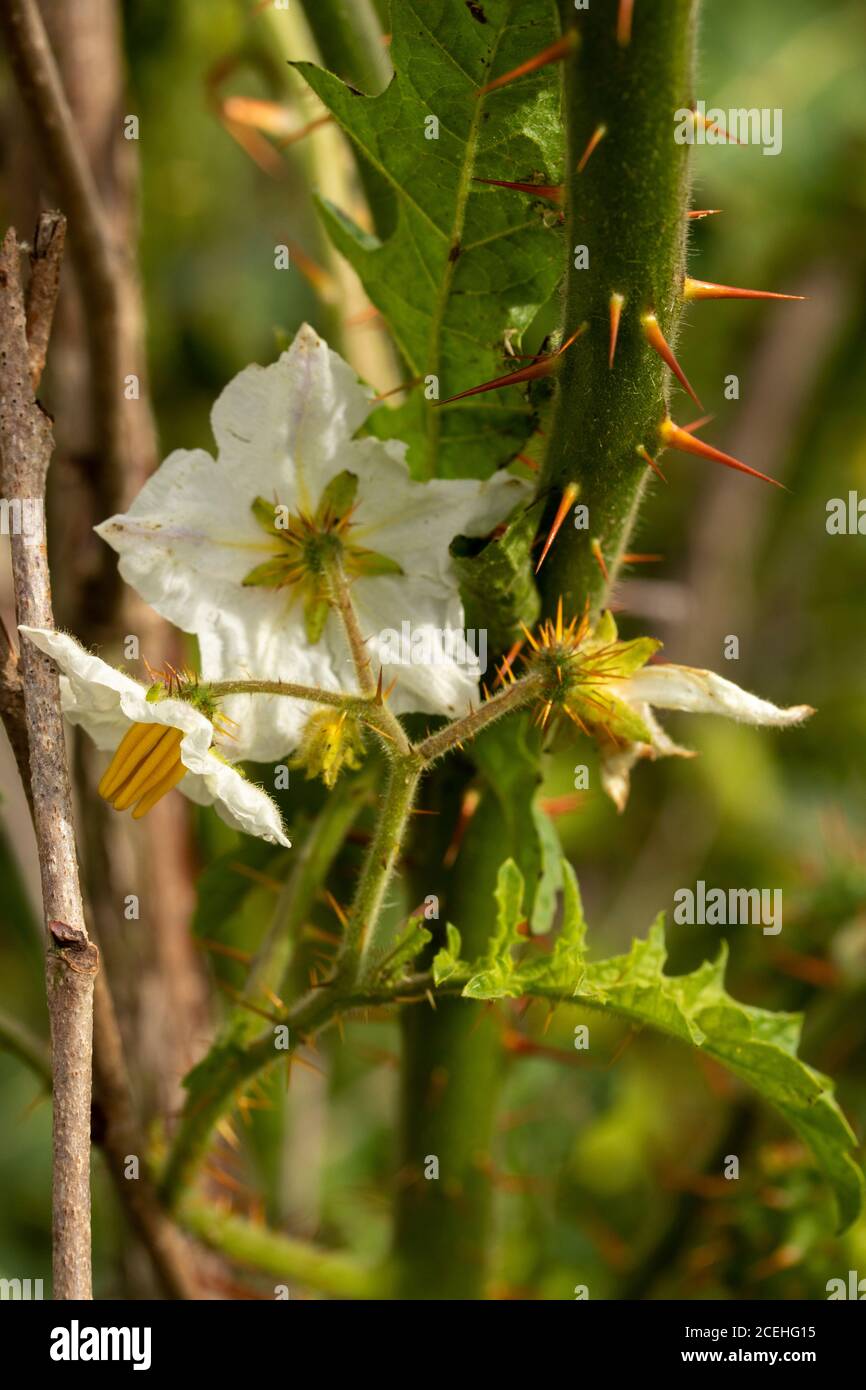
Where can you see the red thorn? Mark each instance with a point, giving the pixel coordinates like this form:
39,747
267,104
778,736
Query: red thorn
616,304
648,459
553,192
659,344
595,547
562,511
623,23
677,438
555,53
594,140
705,289
528,462
542,367
696,214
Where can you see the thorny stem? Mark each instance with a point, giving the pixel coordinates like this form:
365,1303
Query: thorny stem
378,868
341,598
514,697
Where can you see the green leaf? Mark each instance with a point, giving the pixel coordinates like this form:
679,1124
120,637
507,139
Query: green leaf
409,944
498,977
550,878
447,963
758,1046
507,755
466,262
497,583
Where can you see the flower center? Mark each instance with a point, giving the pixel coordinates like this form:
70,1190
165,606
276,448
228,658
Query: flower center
145,767
305,550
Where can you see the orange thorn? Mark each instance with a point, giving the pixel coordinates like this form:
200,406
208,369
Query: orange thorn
705,289
595,547
616,306
553,192
645,454
528,462
554,53
336,908
674,437
659,344
594,140
696,214
704,121
699,423
321,280
562,511
623,23
630,559
542,367
508,661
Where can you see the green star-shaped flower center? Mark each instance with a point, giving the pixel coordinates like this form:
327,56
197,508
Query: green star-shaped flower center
305,550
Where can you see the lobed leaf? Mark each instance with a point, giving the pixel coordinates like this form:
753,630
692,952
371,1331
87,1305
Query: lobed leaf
465,263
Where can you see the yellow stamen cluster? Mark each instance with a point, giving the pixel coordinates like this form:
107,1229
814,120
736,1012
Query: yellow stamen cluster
145,767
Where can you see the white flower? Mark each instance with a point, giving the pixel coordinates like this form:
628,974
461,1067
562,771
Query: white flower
664,686
110,705
202,543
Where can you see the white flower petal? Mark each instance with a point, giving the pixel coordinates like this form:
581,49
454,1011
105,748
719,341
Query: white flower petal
703,692
291,420
237,801
618,761
190,538
415,523
104,702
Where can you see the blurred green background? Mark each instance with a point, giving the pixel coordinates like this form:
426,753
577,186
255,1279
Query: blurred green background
606,1173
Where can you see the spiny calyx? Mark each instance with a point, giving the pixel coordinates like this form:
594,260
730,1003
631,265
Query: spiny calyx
332,739
579,665
306,548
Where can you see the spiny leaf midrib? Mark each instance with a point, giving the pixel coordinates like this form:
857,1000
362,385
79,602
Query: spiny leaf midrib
440,303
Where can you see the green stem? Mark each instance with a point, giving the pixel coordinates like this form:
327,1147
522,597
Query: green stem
629,208
271,966
341,598
378,868
450,1076
514,697
226,1068
286,1259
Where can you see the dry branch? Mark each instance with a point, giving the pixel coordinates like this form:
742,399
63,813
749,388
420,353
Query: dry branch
71,959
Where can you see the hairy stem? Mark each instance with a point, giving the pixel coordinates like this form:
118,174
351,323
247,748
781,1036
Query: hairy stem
287,1260
514,697
378,868
628,208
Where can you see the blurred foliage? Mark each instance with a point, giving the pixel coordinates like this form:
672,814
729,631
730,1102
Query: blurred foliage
608,1169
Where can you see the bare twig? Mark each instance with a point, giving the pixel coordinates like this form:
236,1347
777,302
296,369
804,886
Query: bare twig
26,442
121,1136
96,259
46,256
